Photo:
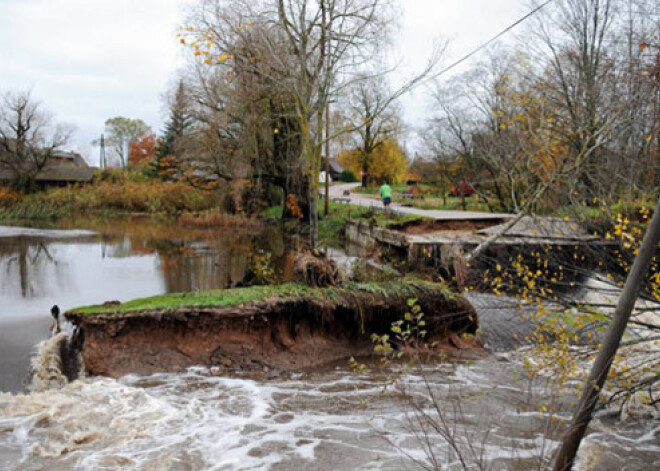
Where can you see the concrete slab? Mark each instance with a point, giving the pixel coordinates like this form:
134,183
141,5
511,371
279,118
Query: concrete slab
531,227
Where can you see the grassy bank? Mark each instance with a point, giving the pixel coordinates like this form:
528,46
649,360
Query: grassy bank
242,296
331,227
109,196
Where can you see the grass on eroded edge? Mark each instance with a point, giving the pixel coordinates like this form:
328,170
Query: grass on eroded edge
240,296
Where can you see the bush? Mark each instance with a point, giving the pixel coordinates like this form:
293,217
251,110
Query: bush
347,176
113,192
8,196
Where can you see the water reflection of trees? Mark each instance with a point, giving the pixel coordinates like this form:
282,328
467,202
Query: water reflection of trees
221,260
25,260
189,270
188,259
191,260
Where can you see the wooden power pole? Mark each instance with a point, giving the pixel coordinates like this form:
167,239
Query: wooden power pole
102,159
327,158
605,357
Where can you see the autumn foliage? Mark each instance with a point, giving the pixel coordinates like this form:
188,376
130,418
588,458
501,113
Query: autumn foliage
387,163
143,151
8,196
293,207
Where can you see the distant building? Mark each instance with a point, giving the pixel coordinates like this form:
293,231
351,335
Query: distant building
62,168
335,170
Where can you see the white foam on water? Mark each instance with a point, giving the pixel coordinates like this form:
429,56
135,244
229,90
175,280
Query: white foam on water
195,420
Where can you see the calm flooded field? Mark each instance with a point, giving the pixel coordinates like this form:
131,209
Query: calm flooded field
328,419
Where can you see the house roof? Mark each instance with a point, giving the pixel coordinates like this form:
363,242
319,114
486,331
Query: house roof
336,166
57,174
65,155
78,171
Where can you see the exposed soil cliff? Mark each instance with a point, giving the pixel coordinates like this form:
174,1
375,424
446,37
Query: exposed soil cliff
278,332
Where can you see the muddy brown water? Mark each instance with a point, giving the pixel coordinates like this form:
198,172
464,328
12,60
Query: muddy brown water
332,418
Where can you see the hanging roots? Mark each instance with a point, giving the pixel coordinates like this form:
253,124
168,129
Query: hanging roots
317,269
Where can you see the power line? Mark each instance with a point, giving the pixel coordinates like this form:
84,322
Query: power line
493,39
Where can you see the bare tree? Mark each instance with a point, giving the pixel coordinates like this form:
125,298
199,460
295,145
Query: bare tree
300,53
572,41
28,138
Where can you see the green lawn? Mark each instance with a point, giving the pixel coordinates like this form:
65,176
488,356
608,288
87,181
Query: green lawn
432,199
453,203
331,227
210,298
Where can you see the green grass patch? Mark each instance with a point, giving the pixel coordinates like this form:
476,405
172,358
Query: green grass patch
432,199
273,213
452,203
599,217
240,296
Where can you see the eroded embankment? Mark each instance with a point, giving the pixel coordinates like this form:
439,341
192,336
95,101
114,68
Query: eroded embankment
253,329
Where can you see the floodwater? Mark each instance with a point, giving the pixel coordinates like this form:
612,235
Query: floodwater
106,260
328,419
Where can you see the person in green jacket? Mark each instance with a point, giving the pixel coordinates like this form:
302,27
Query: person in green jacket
386,194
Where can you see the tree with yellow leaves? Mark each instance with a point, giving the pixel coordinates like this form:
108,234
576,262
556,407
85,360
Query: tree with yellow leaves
388,162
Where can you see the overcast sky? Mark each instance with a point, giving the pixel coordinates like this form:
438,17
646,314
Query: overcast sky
89,60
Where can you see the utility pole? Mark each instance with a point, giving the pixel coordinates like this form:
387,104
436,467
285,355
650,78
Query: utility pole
102,160
327,158
603,362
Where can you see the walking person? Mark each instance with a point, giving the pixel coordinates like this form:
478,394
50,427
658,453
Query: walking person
385,192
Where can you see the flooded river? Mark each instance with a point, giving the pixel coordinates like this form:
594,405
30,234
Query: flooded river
106,260
328,419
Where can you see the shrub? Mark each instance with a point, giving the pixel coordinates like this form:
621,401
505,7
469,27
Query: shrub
347,176
111,192
9,196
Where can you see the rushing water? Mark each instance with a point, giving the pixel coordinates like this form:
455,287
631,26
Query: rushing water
328,419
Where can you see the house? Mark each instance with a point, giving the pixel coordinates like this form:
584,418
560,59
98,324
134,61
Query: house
335,170
62,168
